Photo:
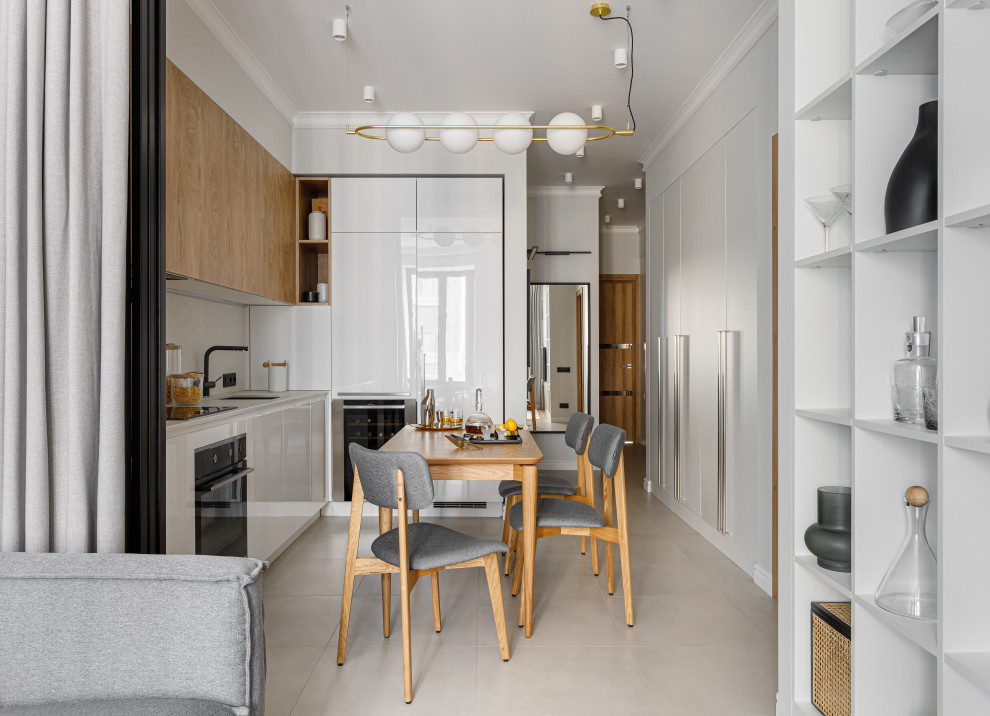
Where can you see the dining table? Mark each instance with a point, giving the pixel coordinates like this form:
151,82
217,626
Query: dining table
512,461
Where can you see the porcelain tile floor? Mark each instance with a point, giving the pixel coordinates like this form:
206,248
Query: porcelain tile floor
704,641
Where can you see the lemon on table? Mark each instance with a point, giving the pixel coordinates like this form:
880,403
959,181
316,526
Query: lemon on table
511,425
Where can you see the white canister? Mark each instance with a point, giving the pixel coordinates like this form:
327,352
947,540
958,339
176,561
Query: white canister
317,226
278,376
323,292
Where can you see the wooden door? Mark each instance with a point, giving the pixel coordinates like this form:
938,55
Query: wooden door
618,363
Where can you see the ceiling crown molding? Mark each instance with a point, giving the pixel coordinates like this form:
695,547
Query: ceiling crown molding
339,120
741,44
570,192
231,41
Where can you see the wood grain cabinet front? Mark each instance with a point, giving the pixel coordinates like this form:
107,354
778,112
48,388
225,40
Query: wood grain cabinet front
229,203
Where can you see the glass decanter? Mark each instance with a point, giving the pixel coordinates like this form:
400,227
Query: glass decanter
479,423
909,588
911,375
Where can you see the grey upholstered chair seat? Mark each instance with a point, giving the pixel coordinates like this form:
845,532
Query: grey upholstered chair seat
558,513
545,485
432,546
126,707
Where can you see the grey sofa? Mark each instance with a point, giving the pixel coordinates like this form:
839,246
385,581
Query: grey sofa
89,634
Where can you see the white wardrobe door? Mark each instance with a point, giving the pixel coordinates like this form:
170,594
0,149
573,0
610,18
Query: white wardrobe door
743,252
459,204
372,204
372,284
702,316
669,217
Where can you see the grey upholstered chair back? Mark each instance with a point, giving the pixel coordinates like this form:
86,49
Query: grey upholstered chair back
605,448
578,429
376,470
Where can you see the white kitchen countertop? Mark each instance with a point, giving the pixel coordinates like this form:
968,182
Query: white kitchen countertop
245,409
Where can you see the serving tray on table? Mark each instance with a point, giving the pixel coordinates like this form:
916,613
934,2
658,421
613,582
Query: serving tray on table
482,441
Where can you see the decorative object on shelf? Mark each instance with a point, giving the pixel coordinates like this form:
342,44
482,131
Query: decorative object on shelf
909,588
459,132
308,297
278,376
831,657
830,539
844,194
429,407
912,192
899,21
931,407
479,423
322,292
826,209
317,226
910,375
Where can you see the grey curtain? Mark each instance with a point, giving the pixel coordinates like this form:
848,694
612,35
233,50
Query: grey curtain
63,221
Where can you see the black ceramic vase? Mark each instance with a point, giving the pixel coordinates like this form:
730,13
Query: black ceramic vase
830,539
912,192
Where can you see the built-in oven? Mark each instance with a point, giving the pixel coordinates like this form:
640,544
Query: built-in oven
369,422
221,497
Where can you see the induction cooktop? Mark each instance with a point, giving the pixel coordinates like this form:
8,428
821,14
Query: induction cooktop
188,412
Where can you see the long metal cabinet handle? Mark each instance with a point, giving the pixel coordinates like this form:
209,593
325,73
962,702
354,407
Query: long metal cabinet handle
236,476
679,342
722,381
661,398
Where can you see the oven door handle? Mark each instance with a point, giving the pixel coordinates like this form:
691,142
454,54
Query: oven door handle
227,480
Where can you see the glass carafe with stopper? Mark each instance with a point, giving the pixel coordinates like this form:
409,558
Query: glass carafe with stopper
479,423
909,586
912,374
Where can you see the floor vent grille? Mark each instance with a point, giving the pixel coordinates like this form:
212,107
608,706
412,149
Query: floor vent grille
460,505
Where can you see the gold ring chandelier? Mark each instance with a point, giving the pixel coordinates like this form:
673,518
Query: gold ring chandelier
512,133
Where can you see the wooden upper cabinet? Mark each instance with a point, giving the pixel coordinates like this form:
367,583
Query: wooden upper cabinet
229,203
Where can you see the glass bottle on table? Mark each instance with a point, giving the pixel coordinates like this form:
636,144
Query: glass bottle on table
478,424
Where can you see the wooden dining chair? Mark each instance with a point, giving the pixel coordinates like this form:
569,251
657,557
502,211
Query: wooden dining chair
402,481
572,517
575,437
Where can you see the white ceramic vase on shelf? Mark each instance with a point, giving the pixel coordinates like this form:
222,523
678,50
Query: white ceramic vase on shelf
317,226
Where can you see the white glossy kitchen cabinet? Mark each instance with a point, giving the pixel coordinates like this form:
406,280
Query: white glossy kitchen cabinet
372,205
459,205
373,279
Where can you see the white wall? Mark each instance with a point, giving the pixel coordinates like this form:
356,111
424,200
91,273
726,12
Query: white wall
196,324
621,247
750,86
566,219
329,151
201,57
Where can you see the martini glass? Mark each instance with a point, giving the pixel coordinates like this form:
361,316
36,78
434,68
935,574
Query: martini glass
826,209
844,194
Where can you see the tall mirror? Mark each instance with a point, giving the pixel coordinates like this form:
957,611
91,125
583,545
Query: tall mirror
558,354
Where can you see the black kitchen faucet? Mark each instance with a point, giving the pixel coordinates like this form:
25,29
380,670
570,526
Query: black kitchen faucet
207,383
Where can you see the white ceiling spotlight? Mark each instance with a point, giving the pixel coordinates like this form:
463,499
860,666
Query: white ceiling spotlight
622,203
638,182
340,26
369,93
579,153
568,177
621,58
596,113
608,219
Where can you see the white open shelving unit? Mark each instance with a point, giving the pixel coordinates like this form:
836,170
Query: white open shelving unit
855,99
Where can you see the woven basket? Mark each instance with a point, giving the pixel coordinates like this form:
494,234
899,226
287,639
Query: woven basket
831,657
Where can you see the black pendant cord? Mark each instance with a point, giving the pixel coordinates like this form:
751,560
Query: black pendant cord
632,66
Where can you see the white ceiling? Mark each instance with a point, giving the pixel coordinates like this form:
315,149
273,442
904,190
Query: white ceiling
545,56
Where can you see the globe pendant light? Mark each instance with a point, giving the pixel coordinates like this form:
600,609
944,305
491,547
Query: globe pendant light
405,140
512,141
566,141
458,141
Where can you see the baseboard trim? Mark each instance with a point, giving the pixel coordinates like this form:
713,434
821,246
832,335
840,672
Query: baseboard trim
763,579
724,544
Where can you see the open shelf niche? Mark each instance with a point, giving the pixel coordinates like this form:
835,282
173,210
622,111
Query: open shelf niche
312,256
